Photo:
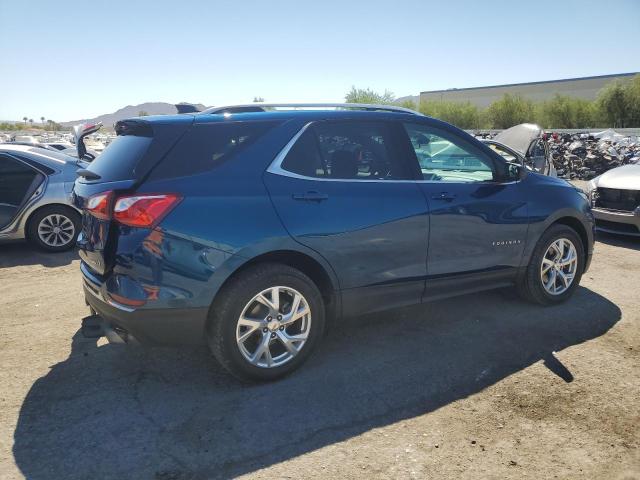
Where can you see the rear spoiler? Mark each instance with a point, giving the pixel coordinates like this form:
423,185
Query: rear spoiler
186,108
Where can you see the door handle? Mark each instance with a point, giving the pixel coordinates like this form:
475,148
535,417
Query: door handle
310,196
446,196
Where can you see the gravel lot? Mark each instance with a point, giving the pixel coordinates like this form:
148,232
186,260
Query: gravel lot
478,386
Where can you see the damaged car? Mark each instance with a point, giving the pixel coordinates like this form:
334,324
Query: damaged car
525,144
615,200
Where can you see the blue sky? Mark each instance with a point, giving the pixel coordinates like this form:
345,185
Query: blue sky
68,60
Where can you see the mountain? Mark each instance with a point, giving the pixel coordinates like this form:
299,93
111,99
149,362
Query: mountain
152,108
413,98
155,108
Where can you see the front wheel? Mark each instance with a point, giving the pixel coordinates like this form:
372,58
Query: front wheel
555,267
266,322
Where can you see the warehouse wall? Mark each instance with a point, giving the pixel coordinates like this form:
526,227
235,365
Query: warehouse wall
586,88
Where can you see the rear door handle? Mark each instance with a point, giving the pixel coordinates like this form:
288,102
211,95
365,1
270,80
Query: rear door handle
446,196
310,196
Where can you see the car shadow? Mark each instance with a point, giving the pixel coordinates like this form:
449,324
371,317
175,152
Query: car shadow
22,253
624,241
116,412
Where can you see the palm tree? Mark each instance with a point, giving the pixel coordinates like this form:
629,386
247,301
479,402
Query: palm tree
24,119
42,120
31,122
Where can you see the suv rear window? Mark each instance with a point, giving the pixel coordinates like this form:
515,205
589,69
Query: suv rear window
204,147
119,160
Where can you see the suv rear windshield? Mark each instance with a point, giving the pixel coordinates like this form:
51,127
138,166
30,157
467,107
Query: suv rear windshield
118,161
204,147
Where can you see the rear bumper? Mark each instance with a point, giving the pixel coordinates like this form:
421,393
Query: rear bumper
147,326
610,221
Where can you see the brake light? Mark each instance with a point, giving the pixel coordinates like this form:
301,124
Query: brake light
99,205
144,211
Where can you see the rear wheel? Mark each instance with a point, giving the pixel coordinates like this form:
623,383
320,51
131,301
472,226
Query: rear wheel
555,268
54,228
266,322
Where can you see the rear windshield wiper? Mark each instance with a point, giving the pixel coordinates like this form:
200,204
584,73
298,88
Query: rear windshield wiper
88,174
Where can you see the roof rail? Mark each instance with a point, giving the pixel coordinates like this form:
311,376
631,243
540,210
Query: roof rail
253,107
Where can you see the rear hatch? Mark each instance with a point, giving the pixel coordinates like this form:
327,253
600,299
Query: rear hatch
120,169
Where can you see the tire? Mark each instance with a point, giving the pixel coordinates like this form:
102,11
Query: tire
531,286
67,220
225,330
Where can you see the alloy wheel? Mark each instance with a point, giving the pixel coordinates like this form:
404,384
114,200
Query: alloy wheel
56,230
273,327
559,266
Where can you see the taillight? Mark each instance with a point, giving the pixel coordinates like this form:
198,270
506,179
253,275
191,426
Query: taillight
144,211
100,205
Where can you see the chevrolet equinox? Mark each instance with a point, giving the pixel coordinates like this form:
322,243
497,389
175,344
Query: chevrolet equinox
251,229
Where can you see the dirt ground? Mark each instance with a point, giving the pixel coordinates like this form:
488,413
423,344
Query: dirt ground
481,386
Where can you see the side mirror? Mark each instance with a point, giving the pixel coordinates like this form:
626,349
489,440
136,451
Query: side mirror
516,172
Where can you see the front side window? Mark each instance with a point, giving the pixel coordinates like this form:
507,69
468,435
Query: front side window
347,151
444,158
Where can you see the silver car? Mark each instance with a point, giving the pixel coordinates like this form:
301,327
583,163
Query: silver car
615,200
35,196
526,145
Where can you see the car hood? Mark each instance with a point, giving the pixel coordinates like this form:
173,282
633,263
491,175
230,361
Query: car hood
519,137
626,177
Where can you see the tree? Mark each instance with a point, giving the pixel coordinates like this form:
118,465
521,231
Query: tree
142,113
258,99
510,110
633,99
31,121
613,109
366,95
410,104
563,111
461,114
42,120
24,119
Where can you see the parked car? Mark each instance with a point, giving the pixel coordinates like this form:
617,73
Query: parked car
615,198
35,196
252,231
525,144
89,154
60,146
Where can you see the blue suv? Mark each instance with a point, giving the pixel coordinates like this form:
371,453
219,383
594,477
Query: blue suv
252,231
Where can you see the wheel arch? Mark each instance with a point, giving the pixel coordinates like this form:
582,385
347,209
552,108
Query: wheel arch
320,274
575,224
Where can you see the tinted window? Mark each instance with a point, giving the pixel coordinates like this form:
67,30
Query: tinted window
204,147
347,150
444,158
119,159
15,180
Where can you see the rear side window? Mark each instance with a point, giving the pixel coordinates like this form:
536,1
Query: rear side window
118,161
205,147
347,150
